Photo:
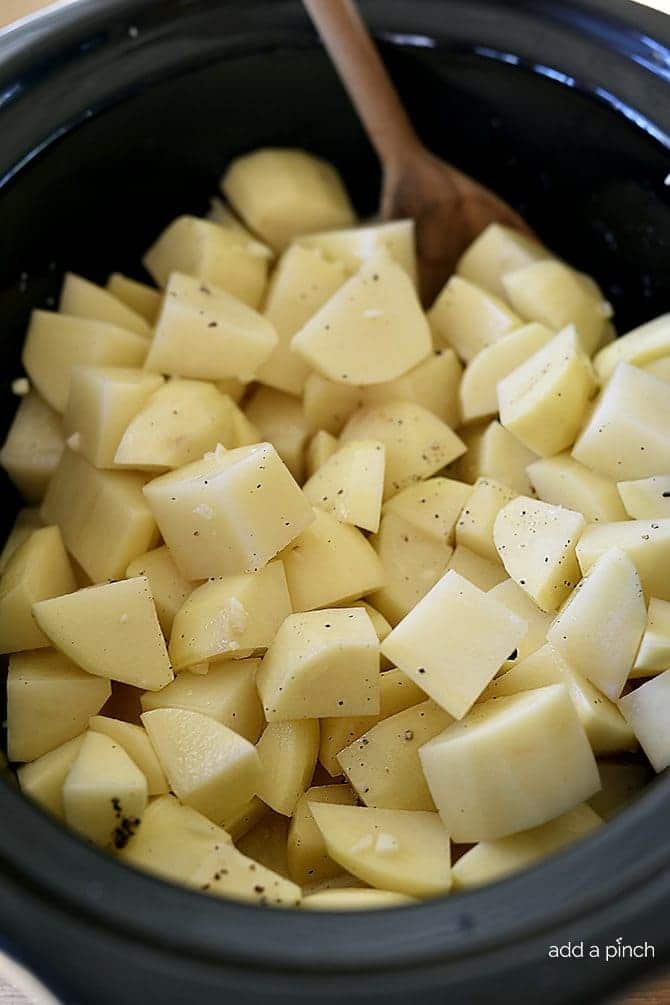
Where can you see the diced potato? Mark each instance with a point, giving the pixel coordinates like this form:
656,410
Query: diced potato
226,693
105,793
101,404
478,390
43,779
383,764
228,873
492,860
628,433
143,299
371,330
283,193
33,447
646,542
223,216
639,347
563,481
350,484
469,319
204,332
57,342
355,244
27,520
512,764
49,701
543,401
321,446
288,753
493,452
328,563
519,603
599,629
433,384
555,295
308,859
474,527
646,711
136,743
645,498
82,299
321,663
497,251
327,405
417,443
229,513
231,617
301,284
654,652
103,516
536,543
208,766
280,420
353,899
477,570
267,843
168,587
246,818
110,631
622,783
454,642
604,725
38,569
432,505
210,254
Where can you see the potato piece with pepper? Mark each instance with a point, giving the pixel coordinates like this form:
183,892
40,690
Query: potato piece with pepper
350,484
469,319
33,447
308,860
83,299
288,753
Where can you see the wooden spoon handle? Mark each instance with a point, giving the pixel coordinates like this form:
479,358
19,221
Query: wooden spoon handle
362,72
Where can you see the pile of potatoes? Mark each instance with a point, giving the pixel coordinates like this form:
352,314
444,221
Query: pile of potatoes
321,599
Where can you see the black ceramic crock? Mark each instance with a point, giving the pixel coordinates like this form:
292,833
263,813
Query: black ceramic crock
117,115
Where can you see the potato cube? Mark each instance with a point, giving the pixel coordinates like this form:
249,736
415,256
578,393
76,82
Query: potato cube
355,899
204,332
493,452
38,569
518,602
136,743
628,433
223,216
110,631
301,284
321,663
563,481
103,516
230,617
229,513
646,542
512,764
497,251
598,631
208,766
101,404
33,447
226,693
355,244
654,652
168,588
469,319
371,330
477,570
210,254
645,498
350,484
42,780
308,859
622,783
320,447
543,401
474,527
57,342
646,711
143,299
82,299
536,543
643,345
227,873
247,818
402,850
49,701
280,420
330,562
288,753
432,506
267,843
284,193
433,384
27,520
327,405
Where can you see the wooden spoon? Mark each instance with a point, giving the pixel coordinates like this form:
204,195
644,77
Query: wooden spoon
449,208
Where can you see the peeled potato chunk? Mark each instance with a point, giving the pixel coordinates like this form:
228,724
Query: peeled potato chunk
105,793
477,570
474,527
497,251
266,843
280,420
354,245
370,331
228,873
229,513
111,631
512,764
628,434
599,629
401,850
308,860
227,693
493,452
27,520
49,701
204,332
43,779
321,446
543,401
536,543
646,711
321,663
432,506
143,299
283,193
563,481
38,569
639,347
288,753
33,447
454,641
168,587
350,484
136,743
492,860
230,617
83,299
646,542
208,766
518,602
654,652
469,319
353,899
645,498
433,384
